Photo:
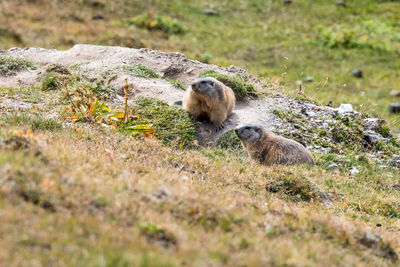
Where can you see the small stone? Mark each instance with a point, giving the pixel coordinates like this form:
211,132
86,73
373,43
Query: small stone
299,82
370,239
345,108
394,93
98,17
309,79
52,116
341,3
372,137
332,165
394,108
354,170
357,73
210,12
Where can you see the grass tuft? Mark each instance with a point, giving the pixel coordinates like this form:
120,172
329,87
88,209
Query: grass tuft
10,65
173,124
238,84
153,22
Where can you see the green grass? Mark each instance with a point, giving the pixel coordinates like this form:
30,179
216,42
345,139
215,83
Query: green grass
173,125
154,22
238,84
144,72
94,197
9,65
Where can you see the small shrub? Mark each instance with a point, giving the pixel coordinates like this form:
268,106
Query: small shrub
373,34
9,65
238,84
53,81
154,22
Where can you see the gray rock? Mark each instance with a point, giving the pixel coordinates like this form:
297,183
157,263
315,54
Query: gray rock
341,3
394,93
210,12
394,108
345,108
372,137
354,170
357,73
370,239
309,79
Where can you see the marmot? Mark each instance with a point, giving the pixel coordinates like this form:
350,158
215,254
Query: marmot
209,98
270,149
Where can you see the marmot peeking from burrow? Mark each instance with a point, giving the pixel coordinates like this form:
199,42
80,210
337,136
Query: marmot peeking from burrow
270,149
209,98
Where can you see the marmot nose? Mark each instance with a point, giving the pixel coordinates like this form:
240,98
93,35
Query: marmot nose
236,131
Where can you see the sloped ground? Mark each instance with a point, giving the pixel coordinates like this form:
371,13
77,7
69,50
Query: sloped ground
81,194
105,64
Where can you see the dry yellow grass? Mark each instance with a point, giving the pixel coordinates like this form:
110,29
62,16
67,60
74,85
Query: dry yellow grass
110,195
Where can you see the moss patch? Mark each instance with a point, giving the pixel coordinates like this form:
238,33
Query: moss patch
10,65
173,125
239,84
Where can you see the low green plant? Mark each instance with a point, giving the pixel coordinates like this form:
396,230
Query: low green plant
239,84
139,70
53,81
155,22
172,124
9,65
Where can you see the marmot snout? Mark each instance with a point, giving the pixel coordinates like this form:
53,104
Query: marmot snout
270,149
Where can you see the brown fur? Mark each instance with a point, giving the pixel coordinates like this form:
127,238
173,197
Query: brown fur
270,149
215,102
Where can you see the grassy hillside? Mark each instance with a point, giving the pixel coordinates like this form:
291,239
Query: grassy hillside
81,194
81,185
269,38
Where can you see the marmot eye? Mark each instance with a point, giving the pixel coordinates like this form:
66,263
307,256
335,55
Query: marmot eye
203,82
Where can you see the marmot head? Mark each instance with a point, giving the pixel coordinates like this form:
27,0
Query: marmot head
207,86
249,133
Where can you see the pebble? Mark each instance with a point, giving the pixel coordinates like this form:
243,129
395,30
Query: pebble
345,108
357,73
370,239
394,108
341,3
354,170
211,12
394,93
309,79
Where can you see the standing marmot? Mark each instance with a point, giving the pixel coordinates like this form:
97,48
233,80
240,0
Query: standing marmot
210,98
270,149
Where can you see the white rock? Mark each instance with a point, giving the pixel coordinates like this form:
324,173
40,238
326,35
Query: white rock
345,108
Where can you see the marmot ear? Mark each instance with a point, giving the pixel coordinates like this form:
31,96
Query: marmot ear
212,83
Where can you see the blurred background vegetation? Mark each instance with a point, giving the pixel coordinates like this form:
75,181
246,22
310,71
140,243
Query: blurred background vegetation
321,41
